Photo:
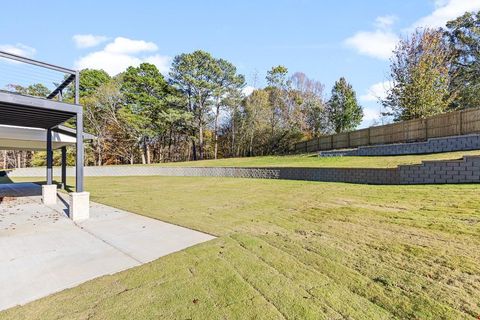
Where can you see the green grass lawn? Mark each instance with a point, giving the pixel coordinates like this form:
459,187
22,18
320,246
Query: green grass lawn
312,160
289,250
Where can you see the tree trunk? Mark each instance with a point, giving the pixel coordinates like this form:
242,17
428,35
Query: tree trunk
4,159
147,150
189,151
99,154
200,140
194,149
170,145
233,136
217,111
200,127
250,148
143,151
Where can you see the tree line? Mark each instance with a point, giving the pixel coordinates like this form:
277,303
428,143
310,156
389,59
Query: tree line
200,111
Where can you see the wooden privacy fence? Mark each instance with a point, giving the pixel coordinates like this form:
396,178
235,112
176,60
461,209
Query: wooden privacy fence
448,124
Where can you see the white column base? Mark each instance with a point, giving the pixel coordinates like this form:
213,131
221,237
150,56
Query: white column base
79,206
49,194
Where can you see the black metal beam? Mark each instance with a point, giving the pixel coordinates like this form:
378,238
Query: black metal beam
62,86
49,157
17,99
79,126
64,167
79,159
15,57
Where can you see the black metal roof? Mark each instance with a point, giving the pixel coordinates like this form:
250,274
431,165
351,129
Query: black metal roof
26,111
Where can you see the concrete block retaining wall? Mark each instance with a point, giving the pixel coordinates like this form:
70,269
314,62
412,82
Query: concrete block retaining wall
434,145
465,170
354,175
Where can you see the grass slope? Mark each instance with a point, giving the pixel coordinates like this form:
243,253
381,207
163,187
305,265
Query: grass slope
289,250
312,160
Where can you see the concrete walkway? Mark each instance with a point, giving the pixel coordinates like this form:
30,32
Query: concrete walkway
42,251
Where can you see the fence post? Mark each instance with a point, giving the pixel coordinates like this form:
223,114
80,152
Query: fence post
460,117
368,135
426,128
331,142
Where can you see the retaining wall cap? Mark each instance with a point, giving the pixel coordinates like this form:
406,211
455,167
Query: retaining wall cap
406,143
472,157
463,159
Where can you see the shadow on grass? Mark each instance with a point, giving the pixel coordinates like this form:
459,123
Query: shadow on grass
9,189
5,179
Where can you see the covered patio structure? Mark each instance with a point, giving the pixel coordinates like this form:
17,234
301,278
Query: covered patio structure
34,139
24,118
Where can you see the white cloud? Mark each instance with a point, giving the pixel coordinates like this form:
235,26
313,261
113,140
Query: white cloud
110,62
248,90
88,40
446,10
385,22
162,62
380,42
122,53
377,91
377,44
125,45
19,49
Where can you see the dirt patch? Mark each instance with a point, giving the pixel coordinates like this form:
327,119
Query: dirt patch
370,206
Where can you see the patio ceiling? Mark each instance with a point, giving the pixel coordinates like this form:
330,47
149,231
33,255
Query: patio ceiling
21,138
26,111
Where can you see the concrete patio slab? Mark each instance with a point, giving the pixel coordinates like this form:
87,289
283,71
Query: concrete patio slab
43,252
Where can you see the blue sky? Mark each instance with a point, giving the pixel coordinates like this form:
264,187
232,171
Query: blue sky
324,39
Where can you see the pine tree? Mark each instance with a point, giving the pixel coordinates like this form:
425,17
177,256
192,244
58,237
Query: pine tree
344,112
464,34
